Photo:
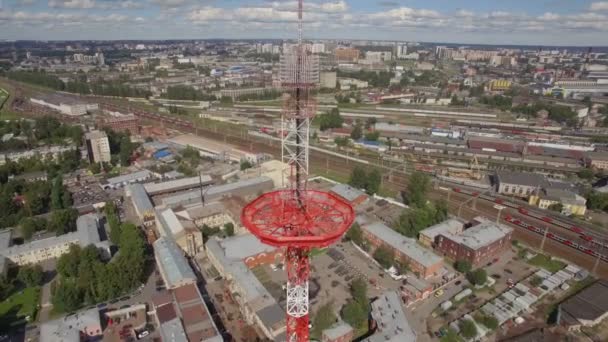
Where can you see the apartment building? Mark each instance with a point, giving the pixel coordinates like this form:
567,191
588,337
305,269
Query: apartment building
98,147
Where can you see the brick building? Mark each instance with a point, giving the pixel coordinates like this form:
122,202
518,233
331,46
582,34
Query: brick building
350,194
482,242
347,55
406,250
124,123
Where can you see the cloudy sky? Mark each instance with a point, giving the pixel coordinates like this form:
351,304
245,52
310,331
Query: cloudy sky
536,22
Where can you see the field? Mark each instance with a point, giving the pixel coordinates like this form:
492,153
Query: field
18,306
547,263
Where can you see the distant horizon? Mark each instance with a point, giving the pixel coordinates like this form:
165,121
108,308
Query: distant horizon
535,46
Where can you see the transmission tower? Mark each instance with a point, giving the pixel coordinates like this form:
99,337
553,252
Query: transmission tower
296,218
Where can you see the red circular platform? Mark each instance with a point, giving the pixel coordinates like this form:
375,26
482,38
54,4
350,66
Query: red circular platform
277,218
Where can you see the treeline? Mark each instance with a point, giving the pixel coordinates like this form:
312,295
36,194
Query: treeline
497,101
84,279
559,113
374,79
369,181
332,119
103,88
270,94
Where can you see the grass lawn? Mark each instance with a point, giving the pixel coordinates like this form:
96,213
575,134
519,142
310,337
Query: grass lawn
18,306
317,251
547,263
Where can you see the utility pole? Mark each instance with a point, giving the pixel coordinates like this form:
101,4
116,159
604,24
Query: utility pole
542,244
597,261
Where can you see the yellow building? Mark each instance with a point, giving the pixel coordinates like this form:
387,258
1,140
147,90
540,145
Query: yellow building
572,204
500,85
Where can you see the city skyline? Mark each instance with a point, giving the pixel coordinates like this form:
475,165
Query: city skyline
549,22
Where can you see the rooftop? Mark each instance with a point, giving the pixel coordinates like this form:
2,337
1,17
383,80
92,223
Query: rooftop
347,192
337,330
68,328
391,321
448,226
173,331
172,262
403,244
95,135
170,224
140,198
244,246
483,234
521,178
131,177
176,185
589,304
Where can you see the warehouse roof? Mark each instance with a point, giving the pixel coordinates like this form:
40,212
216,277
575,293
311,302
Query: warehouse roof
131,177
170,224
392,325
68,328
403,244
521,178
243,246
480,235
173,331
589,304
140,198
176,185
172,262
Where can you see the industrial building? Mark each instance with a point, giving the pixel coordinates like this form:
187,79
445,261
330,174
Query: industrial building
598,160
154,189
353,196
339,332
213,148
64,104
428,237
388,321
81,326
245,188
185,234
42,153
122,123
232,258
124,180
518,184
36,251
571,202
406,250
141,203
587,308
98,147
172,264
483,241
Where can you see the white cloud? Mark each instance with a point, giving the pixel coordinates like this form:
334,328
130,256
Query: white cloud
82,4
599,6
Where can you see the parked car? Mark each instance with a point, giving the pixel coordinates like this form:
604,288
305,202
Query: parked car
143,334
439,293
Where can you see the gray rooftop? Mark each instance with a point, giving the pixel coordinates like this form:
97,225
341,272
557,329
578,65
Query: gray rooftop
252,288
347,192
6,238
176,185
243,246
67,329
521,178
448,226
403,244
173,331
140,198
170,224
96,135
392,323
337,330
172,262
271,315
480,235
131,177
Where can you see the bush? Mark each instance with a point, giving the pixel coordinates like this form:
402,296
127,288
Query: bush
477,277
468,329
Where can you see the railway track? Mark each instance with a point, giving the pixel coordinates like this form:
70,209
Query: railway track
397,179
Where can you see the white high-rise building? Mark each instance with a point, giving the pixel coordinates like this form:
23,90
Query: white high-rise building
100,58
318,48
267,48
401,51
290,58
98,147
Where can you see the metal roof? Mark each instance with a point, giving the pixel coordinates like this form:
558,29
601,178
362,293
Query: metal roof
176,185
391,321
271,315
521,178
140,198
172,262
448,226
243,246
170,225
131,177
173,331
403,244
480,235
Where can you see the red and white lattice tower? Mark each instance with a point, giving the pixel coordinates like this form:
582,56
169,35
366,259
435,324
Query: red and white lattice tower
296,218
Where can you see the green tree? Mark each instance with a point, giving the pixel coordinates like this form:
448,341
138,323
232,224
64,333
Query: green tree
384,256
372,136
333,119
63,221
31,275
323,319
451,336
341,141
68,264
463,266
354,314
489,322
558,207
358,178
417,189
245,164
113,221
358,289
6,287
355,234
30,225
374,180
477,277
357,132
467,329
229,229
586,174
68,296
